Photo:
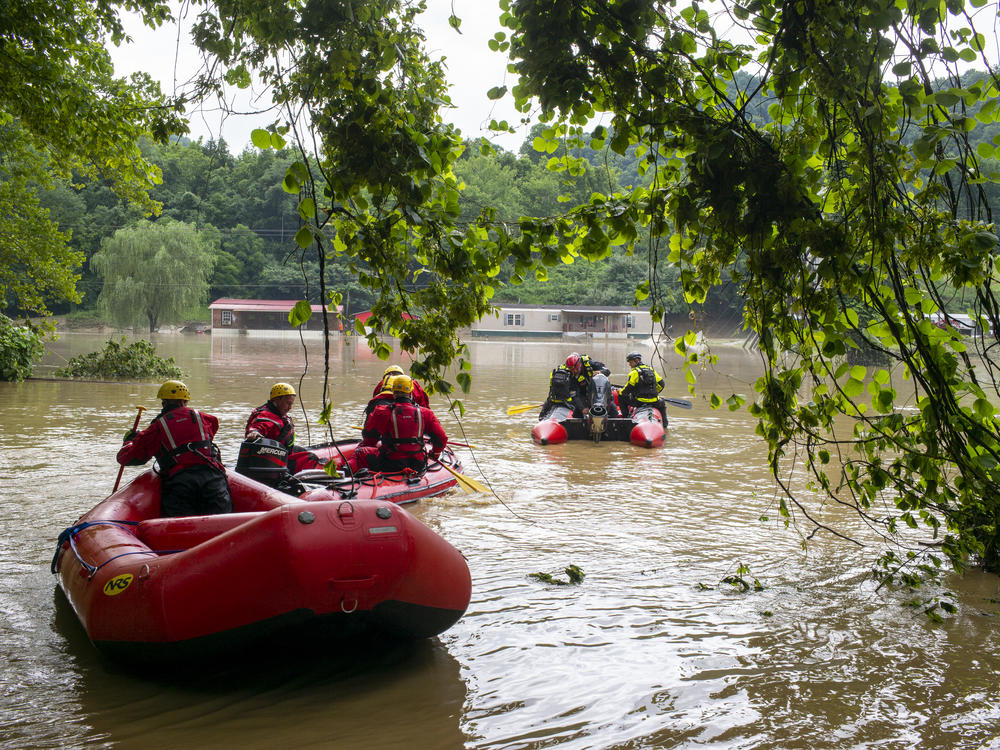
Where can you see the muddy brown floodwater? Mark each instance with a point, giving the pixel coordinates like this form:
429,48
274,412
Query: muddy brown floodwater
652,650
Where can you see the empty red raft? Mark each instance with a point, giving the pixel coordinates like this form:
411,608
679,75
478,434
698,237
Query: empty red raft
150,588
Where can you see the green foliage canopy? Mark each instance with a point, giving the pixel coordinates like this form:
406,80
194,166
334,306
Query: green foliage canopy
20,347
36,261
374,182
861,190
63,112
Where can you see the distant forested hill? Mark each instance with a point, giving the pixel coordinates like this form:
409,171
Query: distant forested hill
240,200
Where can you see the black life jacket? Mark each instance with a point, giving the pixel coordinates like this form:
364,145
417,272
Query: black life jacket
561,385
645,389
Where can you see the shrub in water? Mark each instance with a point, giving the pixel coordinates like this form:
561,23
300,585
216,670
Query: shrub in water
121,360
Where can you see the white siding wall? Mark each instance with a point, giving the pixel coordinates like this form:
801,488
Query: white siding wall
542,321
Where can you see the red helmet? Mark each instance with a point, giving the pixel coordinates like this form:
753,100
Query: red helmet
573,362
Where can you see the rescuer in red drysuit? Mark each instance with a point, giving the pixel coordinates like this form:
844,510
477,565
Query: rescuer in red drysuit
393,438
192,477
271,421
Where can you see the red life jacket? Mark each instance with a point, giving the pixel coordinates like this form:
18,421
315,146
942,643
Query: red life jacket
383,397
402,428
185,440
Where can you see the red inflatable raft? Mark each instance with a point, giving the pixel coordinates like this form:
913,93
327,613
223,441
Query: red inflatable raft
644,427
150,588
400,487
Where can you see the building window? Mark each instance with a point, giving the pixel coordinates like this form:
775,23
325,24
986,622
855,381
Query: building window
554,316
227,318
514,319
629,321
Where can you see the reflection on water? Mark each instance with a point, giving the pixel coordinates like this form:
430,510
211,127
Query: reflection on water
650,651
340,696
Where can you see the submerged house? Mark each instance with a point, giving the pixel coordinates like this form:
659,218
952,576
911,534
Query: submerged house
570,321
258,315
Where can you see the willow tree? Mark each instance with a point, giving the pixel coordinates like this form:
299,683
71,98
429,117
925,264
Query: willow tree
855,214
154,273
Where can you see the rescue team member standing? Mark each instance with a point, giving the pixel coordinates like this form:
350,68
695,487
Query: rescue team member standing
419,397
192,477
643,386
394,435
271,421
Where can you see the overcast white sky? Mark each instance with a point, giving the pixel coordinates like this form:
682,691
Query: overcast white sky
472,70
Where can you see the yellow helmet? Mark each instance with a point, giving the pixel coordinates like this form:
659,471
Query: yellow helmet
173,390
393,369
402,384
281,389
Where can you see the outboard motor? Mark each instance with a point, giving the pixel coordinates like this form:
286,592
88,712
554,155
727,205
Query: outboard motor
597,420
602,392
264,460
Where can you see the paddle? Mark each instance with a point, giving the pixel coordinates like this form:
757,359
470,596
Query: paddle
467,483
135,426
450,442
678,402
523,408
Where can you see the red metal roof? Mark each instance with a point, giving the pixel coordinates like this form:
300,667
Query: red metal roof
258,305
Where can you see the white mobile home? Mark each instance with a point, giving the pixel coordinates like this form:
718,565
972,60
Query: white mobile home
571,321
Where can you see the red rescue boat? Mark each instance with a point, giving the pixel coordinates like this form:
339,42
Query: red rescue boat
644,427
400,487
147,588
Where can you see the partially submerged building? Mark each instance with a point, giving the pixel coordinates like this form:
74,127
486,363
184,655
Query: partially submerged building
569,321
248,316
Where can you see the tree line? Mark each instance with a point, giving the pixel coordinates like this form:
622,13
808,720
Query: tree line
237,238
